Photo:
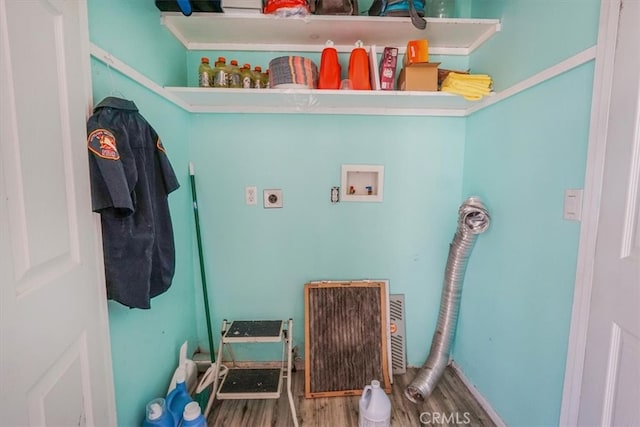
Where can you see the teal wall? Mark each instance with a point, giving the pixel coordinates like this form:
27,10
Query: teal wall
259,259
145,343
534,35
131,31
518,155
516,307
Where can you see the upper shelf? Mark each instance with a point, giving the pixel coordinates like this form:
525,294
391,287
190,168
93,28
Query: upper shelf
259,32
313,101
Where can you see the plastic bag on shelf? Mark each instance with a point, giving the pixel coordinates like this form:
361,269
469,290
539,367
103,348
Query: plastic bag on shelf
285,8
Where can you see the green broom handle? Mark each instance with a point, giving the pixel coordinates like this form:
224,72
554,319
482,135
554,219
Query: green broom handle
201,257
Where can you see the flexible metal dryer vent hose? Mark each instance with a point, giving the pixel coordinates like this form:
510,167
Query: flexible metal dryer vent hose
473,219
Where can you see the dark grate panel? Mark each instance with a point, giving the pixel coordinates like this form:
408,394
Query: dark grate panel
346,348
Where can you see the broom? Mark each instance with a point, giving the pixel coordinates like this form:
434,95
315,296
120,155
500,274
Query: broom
201,259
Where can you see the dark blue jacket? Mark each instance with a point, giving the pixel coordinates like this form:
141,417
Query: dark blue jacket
131,178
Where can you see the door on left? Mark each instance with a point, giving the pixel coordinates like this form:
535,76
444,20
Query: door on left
55,353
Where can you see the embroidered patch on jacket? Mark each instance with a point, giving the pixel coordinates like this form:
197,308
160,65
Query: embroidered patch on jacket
160,146
103,143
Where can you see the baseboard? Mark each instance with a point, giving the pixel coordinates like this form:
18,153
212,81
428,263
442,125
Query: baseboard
479,397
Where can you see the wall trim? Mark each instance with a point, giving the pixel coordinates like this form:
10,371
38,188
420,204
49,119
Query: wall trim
605,55
112,62
484,403
544,75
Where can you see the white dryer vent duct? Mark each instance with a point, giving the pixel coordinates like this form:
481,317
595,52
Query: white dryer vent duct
473,219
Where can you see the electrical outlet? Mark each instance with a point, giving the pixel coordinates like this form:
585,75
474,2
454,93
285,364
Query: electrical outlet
251,195
335,194
272,198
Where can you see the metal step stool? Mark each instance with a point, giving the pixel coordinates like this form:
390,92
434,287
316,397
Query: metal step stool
252,383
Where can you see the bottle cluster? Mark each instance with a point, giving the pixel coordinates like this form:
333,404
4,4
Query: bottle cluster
232,75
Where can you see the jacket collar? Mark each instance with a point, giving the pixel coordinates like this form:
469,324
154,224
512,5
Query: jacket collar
119,103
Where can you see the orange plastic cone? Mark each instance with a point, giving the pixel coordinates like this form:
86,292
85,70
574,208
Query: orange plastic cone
359,68
329,68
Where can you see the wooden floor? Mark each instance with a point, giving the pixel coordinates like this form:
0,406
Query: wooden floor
451,404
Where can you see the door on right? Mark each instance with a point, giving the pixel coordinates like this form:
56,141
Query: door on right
610,394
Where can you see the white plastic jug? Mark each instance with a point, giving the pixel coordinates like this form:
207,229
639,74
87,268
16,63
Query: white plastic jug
192,416
375,407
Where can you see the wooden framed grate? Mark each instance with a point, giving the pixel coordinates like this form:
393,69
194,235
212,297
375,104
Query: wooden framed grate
345,337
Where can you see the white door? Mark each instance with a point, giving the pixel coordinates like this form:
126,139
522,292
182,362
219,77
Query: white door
610,393
55,365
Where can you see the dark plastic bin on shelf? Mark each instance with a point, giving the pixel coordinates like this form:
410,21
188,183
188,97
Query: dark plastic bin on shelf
196,5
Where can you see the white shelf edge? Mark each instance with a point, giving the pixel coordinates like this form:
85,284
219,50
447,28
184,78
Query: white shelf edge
174,30
360,111
479,41
314,101
307,34
327,18
454,51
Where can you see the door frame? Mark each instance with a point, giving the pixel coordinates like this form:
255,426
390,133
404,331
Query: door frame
602,84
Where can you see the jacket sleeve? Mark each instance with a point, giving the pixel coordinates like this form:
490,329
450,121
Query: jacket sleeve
168,175
110,192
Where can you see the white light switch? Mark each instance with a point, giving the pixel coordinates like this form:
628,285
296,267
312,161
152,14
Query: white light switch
573,204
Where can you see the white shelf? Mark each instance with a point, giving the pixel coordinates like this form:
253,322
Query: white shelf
259,32
278,101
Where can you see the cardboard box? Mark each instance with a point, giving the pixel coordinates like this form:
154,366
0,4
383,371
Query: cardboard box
388,64
417,51
422,76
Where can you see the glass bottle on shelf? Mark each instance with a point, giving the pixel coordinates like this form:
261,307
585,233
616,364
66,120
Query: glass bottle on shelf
205,73
220,73
235,80
266,80
246,76
257,78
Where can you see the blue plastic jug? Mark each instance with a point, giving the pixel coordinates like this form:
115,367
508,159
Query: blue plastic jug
157,414
192,416
179,397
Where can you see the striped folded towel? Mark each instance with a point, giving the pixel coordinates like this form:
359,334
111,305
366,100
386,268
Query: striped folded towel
293,70
471,86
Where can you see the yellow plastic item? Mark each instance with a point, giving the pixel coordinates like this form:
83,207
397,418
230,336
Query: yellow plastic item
471,86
